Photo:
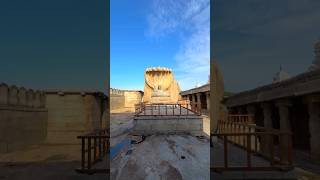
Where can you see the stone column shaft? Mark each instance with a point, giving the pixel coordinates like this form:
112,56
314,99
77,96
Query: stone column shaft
193,102
199,102
314,126
208,100
266,141
283,108
251,109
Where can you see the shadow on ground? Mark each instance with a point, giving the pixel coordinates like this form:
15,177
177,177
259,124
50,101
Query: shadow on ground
64,170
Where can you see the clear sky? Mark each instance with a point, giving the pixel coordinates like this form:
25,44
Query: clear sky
53,44
170,33
254,37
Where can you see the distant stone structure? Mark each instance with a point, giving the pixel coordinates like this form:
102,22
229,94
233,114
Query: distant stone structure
292,104
160,86
132,97
23,117
127,99
198,98
117,99
206,100
281,76
316,62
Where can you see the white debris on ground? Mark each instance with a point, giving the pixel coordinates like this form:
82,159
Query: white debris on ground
164,157
158,156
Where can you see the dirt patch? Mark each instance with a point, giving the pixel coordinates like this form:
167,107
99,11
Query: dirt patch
170,171
172,145
132,171
56,157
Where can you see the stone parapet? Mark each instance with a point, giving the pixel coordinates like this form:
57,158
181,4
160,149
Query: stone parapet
302,84
23,118
14,96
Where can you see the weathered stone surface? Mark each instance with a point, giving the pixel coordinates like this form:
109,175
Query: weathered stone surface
4,94
117,101
216,95
73,113
154,125
125,99
132,98
160,86
21,127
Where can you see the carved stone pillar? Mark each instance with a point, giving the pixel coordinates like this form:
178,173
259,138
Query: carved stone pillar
314,125
199,102
4,94
193,102
283,108
232,110
266,141
208,100
251,109
241,110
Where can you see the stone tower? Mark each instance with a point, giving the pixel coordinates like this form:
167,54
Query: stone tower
281,76
316,62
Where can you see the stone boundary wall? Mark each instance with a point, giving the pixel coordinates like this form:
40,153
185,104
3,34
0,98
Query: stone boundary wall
114,91
124,98
132,98
74,113
117,99
23,117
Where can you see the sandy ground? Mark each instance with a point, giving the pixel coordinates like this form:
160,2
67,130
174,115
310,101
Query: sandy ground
44,163
43,153
62,170
158,156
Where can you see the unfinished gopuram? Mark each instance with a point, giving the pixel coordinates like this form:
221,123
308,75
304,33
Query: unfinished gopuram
288,104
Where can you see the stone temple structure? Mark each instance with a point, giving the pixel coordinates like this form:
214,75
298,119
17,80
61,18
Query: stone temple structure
316,62
290,104
207,100
160,86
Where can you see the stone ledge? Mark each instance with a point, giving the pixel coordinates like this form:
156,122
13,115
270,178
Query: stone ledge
17,108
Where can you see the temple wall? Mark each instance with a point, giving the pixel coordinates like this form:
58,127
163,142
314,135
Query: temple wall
132,98
117,99
73,114
120,99
23,118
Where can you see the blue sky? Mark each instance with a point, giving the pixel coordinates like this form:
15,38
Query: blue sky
253,38
62,44
57,44
168,33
